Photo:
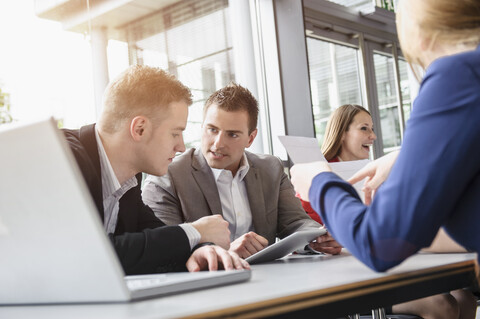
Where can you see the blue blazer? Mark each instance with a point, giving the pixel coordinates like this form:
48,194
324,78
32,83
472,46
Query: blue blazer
434,183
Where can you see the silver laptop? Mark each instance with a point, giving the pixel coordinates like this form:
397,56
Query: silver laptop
53,247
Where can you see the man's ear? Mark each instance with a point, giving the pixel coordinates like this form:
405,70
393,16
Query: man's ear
251,137
138,127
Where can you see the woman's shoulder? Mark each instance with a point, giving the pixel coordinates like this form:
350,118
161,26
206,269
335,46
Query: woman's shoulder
457,63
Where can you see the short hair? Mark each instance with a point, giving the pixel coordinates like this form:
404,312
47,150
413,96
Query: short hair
337,125
235,97
140,90
449,22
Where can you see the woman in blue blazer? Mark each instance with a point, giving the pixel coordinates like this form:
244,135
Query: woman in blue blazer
435,181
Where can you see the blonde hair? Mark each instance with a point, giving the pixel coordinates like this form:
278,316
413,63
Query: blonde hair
339,123
449,22
140,90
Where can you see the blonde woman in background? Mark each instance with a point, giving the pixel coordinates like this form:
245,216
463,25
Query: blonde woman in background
349,136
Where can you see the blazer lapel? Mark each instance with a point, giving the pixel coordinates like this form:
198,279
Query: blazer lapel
204,177
253,184
89,141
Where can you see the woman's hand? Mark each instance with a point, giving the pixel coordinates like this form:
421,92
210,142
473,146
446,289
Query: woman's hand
303,174
376,173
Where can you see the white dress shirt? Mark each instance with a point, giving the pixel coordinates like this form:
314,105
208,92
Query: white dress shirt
234,199
112,191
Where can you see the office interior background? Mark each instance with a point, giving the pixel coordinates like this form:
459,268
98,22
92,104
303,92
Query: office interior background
301,59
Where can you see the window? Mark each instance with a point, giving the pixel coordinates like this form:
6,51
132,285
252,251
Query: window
334,80
387,101
406,82
191,40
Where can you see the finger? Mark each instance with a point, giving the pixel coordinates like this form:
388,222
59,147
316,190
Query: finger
250,248
256,245
242,252
258,242
238,247
332,250
361,174
375,182
331,243
368,196
367,191
324,238
238,262
262,240
211,257
192,265
225,258
245,264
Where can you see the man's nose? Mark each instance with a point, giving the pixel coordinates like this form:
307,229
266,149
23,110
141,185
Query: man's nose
219,140
180,147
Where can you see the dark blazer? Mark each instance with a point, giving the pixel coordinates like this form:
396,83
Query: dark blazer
143,243
189,192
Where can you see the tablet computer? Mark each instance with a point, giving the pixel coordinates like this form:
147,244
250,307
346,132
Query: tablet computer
295,241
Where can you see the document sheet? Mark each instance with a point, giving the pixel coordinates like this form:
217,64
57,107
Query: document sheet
306,149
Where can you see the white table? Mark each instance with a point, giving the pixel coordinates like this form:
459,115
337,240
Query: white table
332,286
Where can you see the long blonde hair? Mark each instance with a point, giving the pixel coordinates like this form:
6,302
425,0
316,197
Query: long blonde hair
449,22
337,125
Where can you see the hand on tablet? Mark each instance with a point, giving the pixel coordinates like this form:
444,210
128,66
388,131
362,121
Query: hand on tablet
326,244
248,244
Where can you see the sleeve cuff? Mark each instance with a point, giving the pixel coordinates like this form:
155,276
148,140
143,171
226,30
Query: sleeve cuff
192,234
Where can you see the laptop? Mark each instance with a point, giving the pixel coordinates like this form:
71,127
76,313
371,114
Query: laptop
53,247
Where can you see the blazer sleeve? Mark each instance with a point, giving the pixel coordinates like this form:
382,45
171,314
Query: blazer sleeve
144,244
160,195
157,250
291,216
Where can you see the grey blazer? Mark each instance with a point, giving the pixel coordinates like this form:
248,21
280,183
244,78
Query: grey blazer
189,192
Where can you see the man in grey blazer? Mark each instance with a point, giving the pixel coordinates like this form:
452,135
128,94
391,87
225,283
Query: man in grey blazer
251,192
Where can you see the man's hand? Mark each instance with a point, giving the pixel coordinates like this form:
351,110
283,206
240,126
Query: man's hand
376,173
326,244
210,257
248,244
303,174
213,229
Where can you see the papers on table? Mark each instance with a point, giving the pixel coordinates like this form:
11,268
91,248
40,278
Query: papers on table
305,149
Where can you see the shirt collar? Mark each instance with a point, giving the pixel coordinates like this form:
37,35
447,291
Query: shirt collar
241,173
110,183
